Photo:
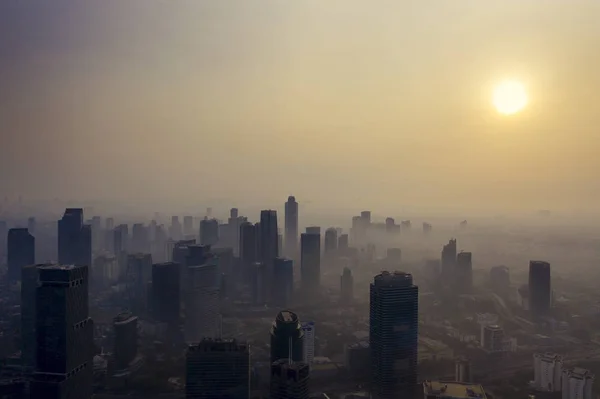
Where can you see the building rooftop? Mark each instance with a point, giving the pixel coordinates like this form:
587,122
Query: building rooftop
454,390
287,316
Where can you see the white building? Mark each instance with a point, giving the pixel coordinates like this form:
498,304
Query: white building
547,372
577,384
309,341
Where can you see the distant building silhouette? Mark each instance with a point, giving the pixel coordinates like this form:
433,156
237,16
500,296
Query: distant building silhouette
287,336
464,272
74,239
449,259
125,327
540,290
202,313
166,293
20,252
290,380
283,281
310,263
29,285
331,242
346,286
209,232
343,242
291,228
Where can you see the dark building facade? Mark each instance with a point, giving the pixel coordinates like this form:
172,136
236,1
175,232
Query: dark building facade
346,286
285,331
310,263
291,228
283,281
125,327
268,248
74,239
166,292
393,338
217,369
209,231
20,252
540,289
290,380
248,247
331,241
464,272
64,332
449,259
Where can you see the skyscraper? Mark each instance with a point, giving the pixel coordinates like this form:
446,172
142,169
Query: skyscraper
287,337
202,314
343,242
394,318
291,227
268,248
217,368
188,226
166,293
139,238
309,341
464,272
346,286
125,327
331,241
20,252
248,248
290,380
138,279
283,281
29,284
310,263
209,231
540,291
449,259
74,239
64,334
175,231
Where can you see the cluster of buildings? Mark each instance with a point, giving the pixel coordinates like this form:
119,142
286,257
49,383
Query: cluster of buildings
551,375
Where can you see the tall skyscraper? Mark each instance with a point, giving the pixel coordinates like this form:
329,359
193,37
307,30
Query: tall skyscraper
29,284
394,321
313,230
449,259
74,239
464,272
268,248
310,263
20,252
291,227
188,226
121,239
331,241
309,341
217,368
202,314
139,238
125,327
248,248
138,279
64,334
290,380
175,231
209,232
346,286
166,293
287,337
540,291
283,281
343,242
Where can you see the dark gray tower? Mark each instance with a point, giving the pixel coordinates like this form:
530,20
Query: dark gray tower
20,252
464,272
394,321
291,228
540,290
290,380
74,239
449,259
287,336
310,263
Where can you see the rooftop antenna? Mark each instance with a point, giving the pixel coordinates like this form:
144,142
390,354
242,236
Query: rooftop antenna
290,351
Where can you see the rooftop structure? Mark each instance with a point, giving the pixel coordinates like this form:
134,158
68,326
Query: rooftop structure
452,390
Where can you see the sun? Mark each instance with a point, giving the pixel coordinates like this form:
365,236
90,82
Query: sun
509,97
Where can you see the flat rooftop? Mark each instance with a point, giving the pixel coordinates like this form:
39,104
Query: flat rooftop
451,389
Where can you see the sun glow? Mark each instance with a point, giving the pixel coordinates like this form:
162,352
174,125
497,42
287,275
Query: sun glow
509,97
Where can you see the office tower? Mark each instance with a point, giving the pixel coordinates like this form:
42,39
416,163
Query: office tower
125,327
20,252
225,258
313,230
268,245
427,228
109,223
64,334
500,280
346,286
166,293
390,225
29,284
175,231
74,239
462,370
121,239
234,222
309,342
188,226
547,371
138,278
248,248
449,259
217,368
290,380
209,232
464,272
283,281
394,321
577,383
202,314
31,225
366,217
540,292
287,337
139,238
310,263
343,242
331,241
158,246
105,271
291,227
259,283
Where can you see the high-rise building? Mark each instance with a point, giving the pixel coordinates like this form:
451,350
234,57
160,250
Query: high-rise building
139,238
547,372
313,230
64,334
234,222
289,380
310,263
287,336
462,370
209,232
346,286
343,242
121,239
260,287
492,338
331,241
394,321
449,259
29,284
309,341
540,291
188,226
175,231
577,383
166,293
138,279
427,228
217,368
283,281
268,248
464,272
125,327
248,246
20,252
202,314
74,239
291,228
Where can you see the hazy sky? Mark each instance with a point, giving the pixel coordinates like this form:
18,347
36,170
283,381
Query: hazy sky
373,103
